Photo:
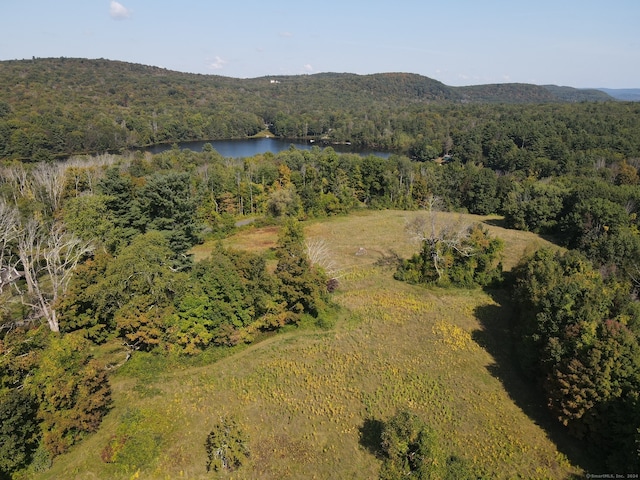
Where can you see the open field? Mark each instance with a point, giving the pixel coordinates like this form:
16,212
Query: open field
307,398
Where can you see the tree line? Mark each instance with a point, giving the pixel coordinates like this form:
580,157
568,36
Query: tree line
51,108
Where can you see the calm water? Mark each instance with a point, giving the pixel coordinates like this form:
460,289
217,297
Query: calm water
255,146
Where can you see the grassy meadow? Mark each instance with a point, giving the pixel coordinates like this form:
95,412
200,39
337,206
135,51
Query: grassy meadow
312,400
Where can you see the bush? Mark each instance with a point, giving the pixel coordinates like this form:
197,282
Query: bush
226,446
73,392
19,431
411,450
450,258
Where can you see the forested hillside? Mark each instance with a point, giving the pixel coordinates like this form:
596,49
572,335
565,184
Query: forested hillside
97,251
59,107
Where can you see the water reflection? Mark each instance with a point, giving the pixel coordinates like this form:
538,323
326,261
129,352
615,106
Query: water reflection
255,146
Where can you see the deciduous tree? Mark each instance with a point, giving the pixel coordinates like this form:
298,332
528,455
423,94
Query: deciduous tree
411,450
458,254
9,231
48,255
139,287
72,390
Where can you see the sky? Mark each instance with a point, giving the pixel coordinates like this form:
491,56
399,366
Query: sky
578,43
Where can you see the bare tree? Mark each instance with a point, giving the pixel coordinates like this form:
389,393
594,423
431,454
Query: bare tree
9,223
17,178
319,254
48,256
435,238
92,168
49,180
424,227
29,248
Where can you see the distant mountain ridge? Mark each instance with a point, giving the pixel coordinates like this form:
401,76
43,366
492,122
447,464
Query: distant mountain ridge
61,106
381,87
571,94
413,87
626,94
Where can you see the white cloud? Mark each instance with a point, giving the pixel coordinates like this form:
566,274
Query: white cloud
218,63
118,11
308,68
286,34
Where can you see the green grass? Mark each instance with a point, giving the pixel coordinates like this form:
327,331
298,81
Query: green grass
304,396
263,134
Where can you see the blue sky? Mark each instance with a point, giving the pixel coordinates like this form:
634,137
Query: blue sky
580,43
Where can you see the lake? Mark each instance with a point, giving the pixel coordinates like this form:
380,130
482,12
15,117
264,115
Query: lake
254,146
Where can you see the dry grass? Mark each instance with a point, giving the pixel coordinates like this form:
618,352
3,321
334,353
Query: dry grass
250,238
382,232
303,396
378,233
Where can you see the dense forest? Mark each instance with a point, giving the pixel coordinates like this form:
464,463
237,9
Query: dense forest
96,248
58,107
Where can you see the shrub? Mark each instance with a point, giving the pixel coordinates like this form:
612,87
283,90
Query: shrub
226,446
411,450
465,258
73,392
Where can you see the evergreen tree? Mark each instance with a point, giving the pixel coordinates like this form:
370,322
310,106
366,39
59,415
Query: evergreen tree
302,286
167,205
